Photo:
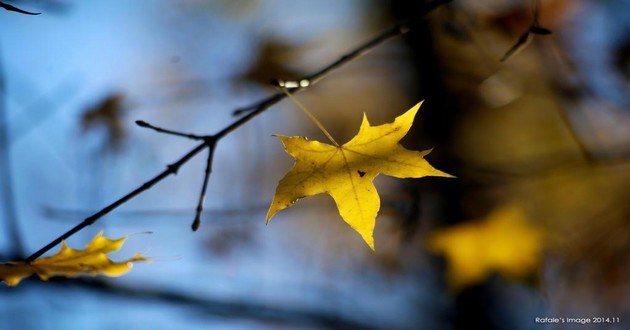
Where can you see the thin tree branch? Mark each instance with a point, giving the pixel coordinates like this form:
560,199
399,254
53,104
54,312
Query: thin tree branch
144,124
211,146
16,9
170,169
211,140
204,187
523,40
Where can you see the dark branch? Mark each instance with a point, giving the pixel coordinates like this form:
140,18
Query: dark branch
211,141
144,124
519,45
534,28
170,169
204,187
16,9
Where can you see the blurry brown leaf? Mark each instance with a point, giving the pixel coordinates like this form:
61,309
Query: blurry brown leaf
107,114
272,63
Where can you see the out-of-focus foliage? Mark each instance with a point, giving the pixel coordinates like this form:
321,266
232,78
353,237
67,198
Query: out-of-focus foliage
107,115
346,172
503,242
547,128
272,63
69,262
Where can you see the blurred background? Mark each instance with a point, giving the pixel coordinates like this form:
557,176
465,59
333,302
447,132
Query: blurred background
534,126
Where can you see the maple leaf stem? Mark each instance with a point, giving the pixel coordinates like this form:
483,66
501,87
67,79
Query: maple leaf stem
310,115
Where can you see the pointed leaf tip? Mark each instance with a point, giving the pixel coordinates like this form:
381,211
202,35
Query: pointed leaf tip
410,114
369,240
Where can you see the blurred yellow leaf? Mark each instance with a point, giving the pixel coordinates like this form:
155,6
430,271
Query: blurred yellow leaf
69,262
346,172
503,242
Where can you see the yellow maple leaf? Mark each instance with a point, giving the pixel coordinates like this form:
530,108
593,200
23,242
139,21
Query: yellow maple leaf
503,242
346,172
69,262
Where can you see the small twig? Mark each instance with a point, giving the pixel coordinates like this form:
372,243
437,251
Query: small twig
195,137
210,141
523,40
204,187
16,9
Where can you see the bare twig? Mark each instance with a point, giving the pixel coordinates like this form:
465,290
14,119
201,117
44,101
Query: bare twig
144,124
211,146
170,169
523,40
259,107
204,187
16,9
